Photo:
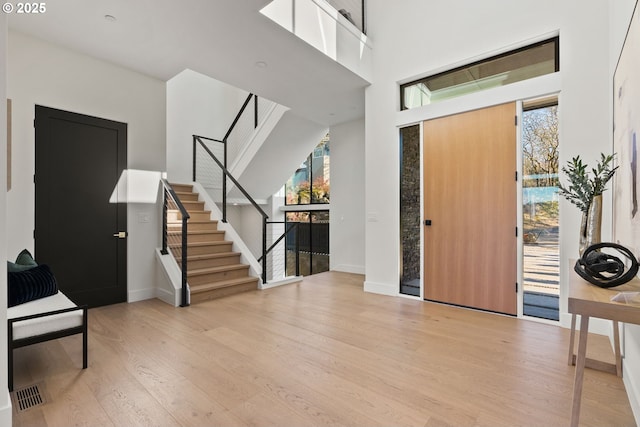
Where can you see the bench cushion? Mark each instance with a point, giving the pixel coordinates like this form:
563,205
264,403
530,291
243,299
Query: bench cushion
46,324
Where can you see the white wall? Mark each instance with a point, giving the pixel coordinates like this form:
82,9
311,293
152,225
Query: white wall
5,401
407,48
621,11
44,74
347,219
196,105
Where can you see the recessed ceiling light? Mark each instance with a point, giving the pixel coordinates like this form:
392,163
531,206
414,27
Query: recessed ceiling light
110,18
261,64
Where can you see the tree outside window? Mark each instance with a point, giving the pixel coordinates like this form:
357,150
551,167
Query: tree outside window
310,184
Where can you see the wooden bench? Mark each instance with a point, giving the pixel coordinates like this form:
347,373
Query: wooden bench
44,319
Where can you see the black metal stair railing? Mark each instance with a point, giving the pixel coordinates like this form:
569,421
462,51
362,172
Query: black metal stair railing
172,240
221,166
289,227
290,245
197,141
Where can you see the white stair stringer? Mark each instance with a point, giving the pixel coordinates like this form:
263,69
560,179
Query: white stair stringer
169,279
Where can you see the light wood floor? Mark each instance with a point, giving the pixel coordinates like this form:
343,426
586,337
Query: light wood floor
321,352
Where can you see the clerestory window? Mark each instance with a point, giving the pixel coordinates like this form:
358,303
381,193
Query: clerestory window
521,64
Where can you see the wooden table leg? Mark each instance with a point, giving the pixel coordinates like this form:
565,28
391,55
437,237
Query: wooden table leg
580,362
616,345
572,338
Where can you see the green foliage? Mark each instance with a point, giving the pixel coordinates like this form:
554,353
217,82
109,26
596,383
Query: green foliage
582,186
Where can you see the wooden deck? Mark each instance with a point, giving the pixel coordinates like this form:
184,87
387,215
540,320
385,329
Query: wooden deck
320,352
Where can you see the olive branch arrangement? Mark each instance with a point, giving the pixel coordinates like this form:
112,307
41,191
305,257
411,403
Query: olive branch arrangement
582,186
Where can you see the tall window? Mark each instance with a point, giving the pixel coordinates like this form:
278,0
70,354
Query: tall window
540,144
309,243
310,183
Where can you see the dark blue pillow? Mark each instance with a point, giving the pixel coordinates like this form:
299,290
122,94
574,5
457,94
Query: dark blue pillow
35,283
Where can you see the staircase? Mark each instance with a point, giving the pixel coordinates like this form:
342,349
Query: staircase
213,269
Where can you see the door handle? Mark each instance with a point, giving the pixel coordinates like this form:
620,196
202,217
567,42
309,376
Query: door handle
427,222
120,235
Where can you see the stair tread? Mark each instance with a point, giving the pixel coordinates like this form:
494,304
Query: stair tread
195,289
209,243
212,256
193,221
208,270
178,210
176,232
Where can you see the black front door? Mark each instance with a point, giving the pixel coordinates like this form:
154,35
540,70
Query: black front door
78,162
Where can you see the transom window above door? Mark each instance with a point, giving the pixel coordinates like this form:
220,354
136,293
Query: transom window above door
516,65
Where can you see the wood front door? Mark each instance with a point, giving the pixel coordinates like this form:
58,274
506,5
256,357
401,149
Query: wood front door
470,201
79,160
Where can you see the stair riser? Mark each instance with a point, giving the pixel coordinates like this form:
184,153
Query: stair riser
214,262
219,293
182,188
194,226
208,237
191,197
193,206
204,250
173,216
197,238
202,279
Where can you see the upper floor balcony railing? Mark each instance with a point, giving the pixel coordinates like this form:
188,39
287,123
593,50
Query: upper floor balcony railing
335,27
353,10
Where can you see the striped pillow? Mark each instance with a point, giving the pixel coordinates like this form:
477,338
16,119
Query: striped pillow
35,283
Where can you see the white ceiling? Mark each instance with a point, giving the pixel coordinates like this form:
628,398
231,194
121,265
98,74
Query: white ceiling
220,38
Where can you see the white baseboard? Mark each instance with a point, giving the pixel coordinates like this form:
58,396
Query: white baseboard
141,294
380,288
632,392
346,268
166,296
276,283
6,412
596,326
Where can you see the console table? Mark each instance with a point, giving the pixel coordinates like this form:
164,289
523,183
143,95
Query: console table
588,301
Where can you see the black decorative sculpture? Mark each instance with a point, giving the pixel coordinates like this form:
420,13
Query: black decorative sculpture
605,270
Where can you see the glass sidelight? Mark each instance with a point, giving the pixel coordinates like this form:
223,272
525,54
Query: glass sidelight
410,212
541,267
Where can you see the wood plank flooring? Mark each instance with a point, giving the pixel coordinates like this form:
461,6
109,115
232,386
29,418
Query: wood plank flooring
321,352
